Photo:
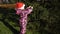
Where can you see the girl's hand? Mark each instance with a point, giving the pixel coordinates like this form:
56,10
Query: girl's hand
30,7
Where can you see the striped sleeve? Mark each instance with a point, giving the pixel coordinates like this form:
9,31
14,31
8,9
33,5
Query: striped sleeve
28,10
18,11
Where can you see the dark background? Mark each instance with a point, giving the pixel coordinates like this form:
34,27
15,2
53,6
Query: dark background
45,18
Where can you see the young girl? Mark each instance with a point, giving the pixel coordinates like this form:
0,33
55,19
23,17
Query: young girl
23,15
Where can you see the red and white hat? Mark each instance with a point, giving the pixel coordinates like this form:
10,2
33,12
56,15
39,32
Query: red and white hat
20,4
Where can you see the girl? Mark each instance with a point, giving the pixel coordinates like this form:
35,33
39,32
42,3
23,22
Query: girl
23,15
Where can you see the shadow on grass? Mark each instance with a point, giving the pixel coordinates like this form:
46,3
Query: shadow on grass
9,26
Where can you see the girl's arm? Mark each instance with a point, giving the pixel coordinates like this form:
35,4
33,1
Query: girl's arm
18,11
29,9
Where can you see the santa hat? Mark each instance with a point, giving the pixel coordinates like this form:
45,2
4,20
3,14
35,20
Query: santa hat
19,4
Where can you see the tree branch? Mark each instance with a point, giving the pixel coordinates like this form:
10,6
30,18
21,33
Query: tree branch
7,5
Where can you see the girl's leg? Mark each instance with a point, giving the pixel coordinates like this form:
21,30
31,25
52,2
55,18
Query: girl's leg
23,28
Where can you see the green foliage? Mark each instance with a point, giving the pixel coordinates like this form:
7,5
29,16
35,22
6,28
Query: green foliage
45,18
